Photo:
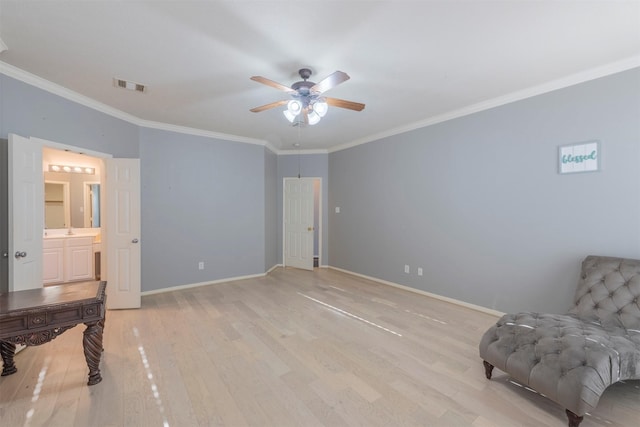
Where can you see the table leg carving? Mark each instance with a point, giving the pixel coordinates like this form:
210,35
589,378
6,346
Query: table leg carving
92,343
8,350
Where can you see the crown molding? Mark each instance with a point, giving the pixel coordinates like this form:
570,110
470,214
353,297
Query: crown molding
570,80
296,152
573,79
271,147
46,85
198,132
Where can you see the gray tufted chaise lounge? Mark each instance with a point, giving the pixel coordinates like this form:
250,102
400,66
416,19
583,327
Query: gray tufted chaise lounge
572,358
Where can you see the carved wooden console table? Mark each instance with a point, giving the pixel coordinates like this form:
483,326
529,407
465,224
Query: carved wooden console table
37,316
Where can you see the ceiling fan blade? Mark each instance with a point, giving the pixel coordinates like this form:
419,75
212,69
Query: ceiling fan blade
335,102
271,83
268,106
329,82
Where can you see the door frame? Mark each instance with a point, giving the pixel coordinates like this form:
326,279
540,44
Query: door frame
4,215
86,190
317,208
102,156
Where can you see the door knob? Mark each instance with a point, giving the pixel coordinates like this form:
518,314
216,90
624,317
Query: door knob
309,228
134,241
19,255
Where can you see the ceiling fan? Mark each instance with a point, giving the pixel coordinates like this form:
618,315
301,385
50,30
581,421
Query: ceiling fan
307,104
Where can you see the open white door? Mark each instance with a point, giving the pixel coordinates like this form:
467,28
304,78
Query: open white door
26,213
123,233
298,223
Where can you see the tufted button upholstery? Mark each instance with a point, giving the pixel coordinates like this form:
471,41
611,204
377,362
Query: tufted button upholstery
572,358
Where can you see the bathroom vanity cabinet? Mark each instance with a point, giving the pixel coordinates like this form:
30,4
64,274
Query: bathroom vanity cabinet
67,259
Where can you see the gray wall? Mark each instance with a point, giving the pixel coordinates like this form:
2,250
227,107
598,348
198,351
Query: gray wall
270,209
477,202
202,200
32,112
310,166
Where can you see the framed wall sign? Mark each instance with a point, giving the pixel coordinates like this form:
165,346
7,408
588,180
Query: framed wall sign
582,157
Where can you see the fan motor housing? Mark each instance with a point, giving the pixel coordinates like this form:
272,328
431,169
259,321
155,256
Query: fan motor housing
303,87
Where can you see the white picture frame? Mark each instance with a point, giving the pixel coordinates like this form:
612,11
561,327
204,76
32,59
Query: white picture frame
579,157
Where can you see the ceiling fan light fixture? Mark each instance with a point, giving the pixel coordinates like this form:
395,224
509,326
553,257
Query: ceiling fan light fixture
289,116
313,117
308,105
294,107
320,107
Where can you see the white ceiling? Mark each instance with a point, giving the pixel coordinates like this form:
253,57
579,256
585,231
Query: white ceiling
411,62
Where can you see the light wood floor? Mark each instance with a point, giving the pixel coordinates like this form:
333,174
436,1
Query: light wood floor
294,348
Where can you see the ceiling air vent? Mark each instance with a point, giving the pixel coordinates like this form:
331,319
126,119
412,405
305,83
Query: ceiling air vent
124,84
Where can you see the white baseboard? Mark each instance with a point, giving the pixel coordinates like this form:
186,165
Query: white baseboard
374,279
211,282
273,268
425,293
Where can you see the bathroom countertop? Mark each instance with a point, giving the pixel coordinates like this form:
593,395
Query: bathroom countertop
70,236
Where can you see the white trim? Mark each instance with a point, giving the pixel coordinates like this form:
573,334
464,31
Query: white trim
270,146
72,148
40,83
320,224
294,152
273,268
197,285
200,132
425,293
46,85
87,205
373,279
573,79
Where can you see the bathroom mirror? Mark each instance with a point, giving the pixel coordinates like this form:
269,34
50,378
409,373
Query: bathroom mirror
71,200
56,204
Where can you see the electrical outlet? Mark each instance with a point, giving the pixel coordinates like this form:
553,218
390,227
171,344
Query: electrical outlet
201,265
419,271
407,269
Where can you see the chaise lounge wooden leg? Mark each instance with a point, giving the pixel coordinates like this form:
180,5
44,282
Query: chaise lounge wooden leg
574,420
488,369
